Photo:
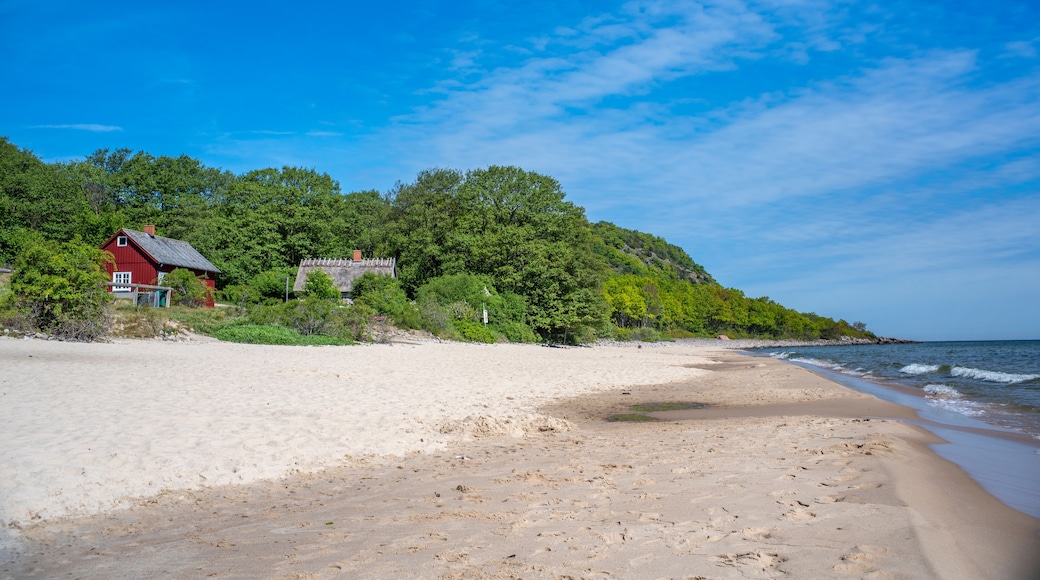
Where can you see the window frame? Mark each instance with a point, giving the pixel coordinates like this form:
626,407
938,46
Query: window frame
122,241
116,280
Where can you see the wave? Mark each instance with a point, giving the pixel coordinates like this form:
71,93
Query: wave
819,363
780,355
919,369
950,399
991,376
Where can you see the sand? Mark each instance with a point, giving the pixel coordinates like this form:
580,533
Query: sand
206,459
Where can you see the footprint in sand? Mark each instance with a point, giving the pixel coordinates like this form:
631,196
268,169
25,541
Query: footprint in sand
798,512
829,498
758,560
860,560
757,533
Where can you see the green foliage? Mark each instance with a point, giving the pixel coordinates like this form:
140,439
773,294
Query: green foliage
267,287
272,285
315,316
319,285
552,274
632,252
464,297
202,320
188,290
269,334
475,331
59,288
385,296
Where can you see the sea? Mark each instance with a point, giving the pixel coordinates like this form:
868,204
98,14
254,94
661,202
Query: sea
982,398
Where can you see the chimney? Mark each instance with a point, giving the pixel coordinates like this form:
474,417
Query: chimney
150,230
357,255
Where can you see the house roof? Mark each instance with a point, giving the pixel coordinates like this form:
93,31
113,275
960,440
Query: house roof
344,271
170,252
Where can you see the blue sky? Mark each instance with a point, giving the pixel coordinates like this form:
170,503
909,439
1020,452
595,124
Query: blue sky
873,162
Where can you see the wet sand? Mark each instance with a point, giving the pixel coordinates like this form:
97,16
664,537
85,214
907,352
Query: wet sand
786,473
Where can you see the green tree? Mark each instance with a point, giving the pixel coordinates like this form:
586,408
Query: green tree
319,285
59,288
188,290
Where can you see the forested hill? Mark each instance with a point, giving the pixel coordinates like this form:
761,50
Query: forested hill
556,275
632,252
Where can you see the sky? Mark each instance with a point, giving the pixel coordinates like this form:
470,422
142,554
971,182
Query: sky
876,162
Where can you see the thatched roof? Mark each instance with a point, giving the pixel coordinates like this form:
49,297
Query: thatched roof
344,271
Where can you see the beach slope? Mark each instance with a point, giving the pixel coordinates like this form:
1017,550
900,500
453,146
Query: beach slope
208,459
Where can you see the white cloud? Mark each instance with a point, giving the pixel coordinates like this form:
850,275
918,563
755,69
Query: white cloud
95,128
831,184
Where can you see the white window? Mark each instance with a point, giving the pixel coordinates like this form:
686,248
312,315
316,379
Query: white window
120,241
121,278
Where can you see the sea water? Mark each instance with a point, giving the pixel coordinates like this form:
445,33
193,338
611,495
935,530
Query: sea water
983,398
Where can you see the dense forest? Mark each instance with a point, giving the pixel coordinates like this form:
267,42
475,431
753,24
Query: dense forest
462,240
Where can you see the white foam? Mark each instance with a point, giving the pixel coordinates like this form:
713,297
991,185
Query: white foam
940,390
819,363
991,376
780,355
919,369
950,399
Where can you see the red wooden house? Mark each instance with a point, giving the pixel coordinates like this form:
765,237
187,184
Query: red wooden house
145,258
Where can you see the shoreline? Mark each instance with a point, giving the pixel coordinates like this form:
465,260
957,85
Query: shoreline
527,479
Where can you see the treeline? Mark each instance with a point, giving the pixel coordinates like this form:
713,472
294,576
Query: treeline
504,231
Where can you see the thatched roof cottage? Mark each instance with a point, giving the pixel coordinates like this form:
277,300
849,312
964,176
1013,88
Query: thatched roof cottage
344,271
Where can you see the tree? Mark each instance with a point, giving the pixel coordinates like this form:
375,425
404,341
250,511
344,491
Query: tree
319,285
188,290
59,288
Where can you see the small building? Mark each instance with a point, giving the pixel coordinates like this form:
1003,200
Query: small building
145,258
344,271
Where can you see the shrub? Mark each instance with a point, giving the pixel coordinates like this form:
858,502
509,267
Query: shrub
60,289
270,285
462,298
319,285
517,332
313,317
239,294
188,290
475,331
385,296
271,334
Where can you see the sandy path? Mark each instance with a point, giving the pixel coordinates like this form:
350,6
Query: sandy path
535,485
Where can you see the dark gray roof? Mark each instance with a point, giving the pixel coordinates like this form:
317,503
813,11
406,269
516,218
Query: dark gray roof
171,252
344,271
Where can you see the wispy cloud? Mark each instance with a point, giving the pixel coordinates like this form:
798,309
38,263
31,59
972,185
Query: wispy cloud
95,128
875,171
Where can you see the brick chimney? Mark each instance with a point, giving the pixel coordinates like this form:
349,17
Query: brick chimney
150,230
357,255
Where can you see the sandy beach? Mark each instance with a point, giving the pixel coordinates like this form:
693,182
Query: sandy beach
442,460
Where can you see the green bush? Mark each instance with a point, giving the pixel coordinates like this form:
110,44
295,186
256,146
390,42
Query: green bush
60,289
385,297
319,285
462,298
517,332
475,331
641,334
188,290
239,294
270,334
313,316
270,286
